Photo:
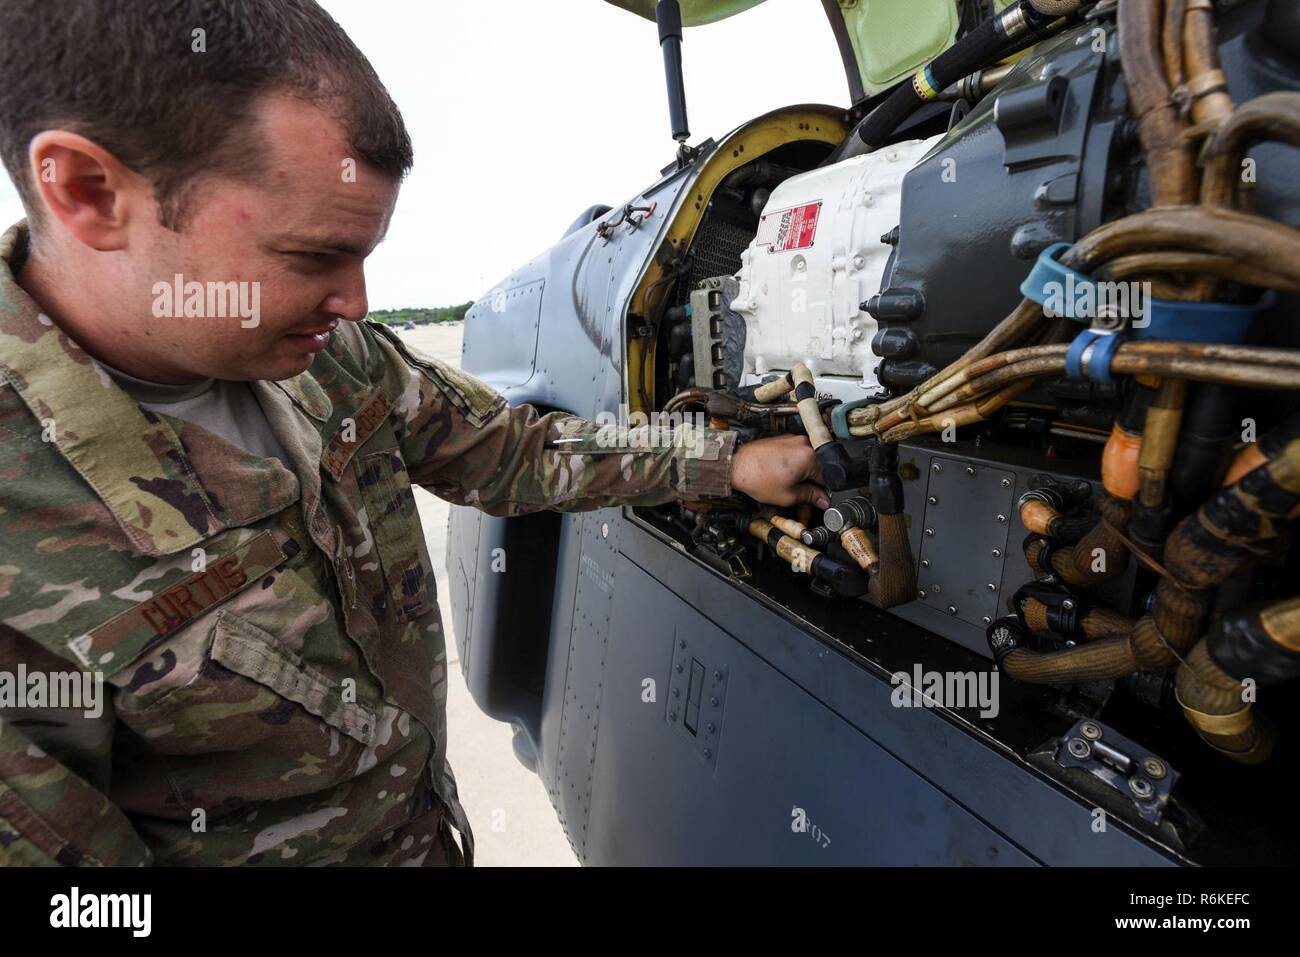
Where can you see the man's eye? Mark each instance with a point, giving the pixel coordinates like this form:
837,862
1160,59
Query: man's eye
311,260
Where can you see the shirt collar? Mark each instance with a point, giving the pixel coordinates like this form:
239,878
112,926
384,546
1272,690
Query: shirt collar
133,460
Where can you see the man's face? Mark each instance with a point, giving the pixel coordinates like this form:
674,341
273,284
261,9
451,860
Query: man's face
293,243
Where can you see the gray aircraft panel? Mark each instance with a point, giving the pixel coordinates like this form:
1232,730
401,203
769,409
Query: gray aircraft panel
1048,824
793,783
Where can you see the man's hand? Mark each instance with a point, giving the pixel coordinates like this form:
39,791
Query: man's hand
781,470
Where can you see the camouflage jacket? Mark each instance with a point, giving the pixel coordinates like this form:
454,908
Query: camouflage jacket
268,640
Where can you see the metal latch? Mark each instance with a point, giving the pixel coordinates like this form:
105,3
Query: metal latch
1125,766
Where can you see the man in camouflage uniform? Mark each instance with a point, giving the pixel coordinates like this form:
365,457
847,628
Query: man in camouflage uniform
242,564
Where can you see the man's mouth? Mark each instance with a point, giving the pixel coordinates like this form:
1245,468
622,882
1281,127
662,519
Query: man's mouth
312,340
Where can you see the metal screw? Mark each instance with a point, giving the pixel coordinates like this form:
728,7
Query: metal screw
921,594
604,530
935,588
929,531
1068,605
1080,748
717,676
932,500
681,642
677,692
1090,730
708,753
997,553
1002,519
678,668
672,715
925,563
1154,767
1006,483
992,587
952,609
713,702
936,467
969,470
1141,788
987,620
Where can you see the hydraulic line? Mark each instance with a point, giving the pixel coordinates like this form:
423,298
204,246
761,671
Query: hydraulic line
1204,550
984,45
1261,646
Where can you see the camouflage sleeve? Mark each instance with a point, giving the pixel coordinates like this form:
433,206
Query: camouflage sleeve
465,444
50,811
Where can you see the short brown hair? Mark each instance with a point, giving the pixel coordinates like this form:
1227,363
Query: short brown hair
130,76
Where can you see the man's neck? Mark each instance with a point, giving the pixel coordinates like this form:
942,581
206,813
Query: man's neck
87,326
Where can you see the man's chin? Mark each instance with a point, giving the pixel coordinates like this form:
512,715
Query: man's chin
288,368
276,369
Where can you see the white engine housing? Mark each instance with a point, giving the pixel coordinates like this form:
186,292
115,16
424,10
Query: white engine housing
817,257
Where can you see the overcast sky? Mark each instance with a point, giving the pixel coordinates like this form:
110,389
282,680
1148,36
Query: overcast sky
526,112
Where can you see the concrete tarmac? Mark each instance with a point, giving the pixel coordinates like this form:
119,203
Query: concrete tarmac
508,807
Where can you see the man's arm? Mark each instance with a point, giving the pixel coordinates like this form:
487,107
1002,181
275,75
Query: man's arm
50,811
465,444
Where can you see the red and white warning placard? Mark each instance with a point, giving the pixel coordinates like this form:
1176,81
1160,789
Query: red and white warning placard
784,229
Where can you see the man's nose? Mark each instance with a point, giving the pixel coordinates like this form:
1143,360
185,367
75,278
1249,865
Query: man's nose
348,301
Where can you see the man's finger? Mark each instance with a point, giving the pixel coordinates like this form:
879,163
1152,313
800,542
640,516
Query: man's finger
815,473
810,494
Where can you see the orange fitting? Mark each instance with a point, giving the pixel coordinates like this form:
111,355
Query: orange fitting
1119,464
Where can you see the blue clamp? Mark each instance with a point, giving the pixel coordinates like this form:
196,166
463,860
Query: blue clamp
1200,321
840,417
1055,286
1103,346
1059,290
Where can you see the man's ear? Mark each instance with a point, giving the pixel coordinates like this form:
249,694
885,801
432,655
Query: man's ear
86,188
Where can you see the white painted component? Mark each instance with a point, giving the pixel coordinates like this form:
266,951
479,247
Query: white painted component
803,304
